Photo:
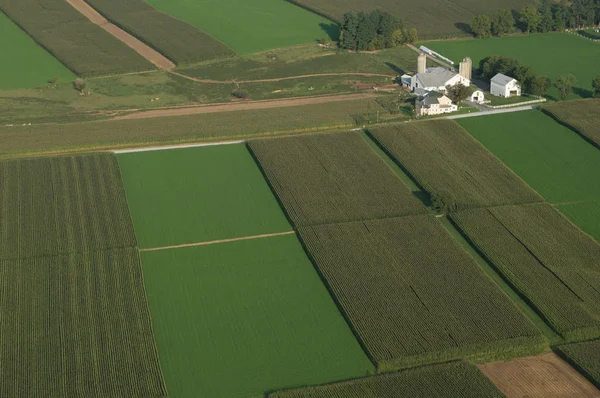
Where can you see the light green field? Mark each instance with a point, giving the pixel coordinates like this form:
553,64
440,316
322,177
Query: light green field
242,318
251,26
23,63
585,215
551,54
551,158
198,194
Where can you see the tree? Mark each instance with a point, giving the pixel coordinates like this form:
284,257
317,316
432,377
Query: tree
502,22
530,18
79,84
538,85
565,84
397,37
481,26
458,93
443,202
348,31
240,93
411,35
596,86
490,66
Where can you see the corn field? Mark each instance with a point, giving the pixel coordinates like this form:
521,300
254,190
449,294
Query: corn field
550,262
585,357
332,178
450,165
412,294
61,205
582,116
456,379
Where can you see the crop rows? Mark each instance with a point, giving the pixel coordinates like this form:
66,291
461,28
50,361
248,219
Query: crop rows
412,294
547,259
451,166
82,46
60,205
332,178
175,39
456,379
77,325
585,357
581,115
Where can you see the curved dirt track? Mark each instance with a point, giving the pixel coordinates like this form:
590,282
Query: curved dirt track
242,106
278,79
145,51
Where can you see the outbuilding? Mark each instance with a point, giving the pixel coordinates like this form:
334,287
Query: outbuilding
477,96
505,86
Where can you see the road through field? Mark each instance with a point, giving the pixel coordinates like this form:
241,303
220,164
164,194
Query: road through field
278,79
242,106
145,51
213,242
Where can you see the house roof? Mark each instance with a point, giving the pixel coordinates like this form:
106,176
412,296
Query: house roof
435,77
432,98
501,79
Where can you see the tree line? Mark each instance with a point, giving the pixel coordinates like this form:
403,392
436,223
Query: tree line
373,30
543,16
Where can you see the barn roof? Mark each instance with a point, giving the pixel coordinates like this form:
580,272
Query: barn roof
436,77
501,79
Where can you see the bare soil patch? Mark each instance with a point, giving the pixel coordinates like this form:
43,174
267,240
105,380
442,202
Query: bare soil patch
543,376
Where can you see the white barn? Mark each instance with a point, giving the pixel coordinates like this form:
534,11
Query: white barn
435,103
505,86
436,79
477,96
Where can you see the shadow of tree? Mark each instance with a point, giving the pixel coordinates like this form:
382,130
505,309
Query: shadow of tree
332,30
583,92
465,27
395,68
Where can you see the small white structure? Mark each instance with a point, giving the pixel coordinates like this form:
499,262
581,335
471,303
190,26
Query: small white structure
405,80
436,79
434,103
477,97
505,86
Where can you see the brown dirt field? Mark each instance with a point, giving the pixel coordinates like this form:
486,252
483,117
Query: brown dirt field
242,106
543,376
145,51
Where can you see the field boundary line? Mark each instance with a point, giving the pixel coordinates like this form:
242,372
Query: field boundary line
181,146
214,242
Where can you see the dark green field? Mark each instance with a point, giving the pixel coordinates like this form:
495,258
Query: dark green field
239,319
198,195
585,357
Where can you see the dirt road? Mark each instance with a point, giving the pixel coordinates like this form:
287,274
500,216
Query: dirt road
243,106
145,51
213,242
278,79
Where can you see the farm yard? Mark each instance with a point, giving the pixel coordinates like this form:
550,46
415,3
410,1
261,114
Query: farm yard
23,62
550,54
248,29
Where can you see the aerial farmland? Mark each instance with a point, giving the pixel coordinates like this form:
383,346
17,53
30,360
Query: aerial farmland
299,199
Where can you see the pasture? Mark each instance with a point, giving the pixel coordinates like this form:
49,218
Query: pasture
242,318
401,283
432,18
23,63
329,178
248,27
451,166
545,258
192,195
61,205
451,380
551,158
551,54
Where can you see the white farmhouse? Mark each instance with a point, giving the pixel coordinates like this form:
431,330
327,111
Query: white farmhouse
436,79
434,103
505,86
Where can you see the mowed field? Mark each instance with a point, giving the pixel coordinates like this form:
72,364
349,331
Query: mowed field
195,195
242,318
551,54
249,27
432,18
23,63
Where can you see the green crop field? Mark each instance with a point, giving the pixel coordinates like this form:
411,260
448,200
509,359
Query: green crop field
23,63
456,379
545,258
413,295
451,166
332,178
77,326
551,158
582,116
585,215
585,357
81,46
250,27
175,39
551,54
194,195
432,18
242,318
61,205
